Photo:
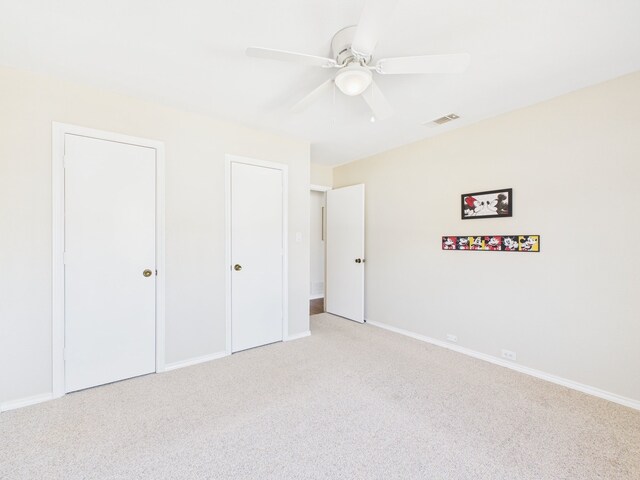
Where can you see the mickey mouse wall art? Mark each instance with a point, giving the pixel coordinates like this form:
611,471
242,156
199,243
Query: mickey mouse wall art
492,243
489,204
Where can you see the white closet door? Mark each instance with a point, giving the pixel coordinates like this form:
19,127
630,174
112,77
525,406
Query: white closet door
109,243
257,256
345,252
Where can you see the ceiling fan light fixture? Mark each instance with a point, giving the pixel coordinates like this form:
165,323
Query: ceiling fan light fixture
352,80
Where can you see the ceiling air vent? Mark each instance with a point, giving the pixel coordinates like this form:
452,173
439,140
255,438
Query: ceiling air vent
443,120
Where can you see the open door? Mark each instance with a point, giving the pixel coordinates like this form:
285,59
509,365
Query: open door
344,294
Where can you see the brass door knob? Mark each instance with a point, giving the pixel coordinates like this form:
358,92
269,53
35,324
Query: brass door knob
237,267
147,273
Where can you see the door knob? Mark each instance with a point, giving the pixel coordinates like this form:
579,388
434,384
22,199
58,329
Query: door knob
237,267
358,260
147,273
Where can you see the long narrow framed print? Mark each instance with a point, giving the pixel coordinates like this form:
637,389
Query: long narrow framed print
489,204
492,243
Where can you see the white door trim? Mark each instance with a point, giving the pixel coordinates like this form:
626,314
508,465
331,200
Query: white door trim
59,130
319,188
229,159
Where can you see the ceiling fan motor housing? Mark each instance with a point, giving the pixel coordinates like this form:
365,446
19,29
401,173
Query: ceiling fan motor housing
341,46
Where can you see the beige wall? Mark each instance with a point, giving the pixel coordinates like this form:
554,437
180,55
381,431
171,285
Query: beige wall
195,216
321,175
572,310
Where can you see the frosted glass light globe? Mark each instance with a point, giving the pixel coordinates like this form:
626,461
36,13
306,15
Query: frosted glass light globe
353,80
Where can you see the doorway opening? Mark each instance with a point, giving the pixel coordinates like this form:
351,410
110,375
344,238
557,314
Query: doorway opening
318,204
317,240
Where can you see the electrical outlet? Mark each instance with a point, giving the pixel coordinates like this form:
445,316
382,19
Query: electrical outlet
509,355
452,338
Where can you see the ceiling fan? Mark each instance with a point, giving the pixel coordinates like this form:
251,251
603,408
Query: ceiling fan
352,50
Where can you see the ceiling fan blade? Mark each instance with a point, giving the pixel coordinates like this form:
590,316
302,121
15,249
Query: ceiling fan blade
377,102
312,97
373,19
282,55
453,63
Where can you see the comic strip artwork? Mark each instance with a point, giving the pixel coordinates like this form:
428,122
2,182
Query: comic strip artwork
510,243
477,243
463,243
529,243
449,243
492,243
492,203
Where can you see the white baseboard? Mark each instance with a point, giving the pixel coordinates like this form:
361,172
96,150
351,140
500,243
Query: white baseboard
25,402
596,392
194,361
315,296
296,336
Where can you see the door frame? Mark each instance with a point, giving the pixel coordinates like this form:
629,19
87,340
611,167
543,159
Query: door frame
319,188
58,131
230,159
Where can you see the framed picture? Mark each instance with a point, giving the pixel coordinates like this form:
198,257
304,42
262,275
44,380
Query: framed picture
492,243
489,204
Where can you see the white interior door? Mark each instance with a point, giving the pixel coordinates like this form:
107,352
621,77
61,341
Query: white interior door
109,242
345,252
257,253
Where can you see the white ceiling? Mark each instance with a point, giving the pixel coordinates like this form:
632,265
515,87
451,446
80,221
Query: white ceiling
190,54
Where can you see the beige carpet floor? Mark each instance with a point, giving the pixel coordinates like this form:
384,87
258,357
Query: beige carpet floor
350,402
